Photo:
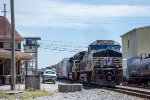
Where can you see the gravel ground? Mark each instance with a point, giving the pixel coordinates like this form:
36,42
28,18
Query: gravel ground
85,94
91,94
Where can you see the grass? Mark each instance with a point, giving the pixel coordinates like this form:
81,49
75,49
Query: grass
3,94
26,95
34,94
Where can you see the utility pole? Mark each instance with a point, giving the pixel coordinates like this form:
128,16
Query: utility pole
4,10
13,64
36,52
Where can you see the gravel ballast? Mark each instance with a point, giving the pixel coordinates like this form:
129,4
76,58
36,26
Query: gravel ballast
90,94
87,93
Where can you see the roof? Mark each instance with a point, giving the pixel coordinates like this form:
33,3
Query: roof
5,53
24,56
135,30
19,55
5,30
105,42
37,38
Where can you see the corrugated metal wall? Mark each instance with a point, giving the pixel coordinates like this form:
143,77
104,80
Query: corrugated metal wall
129,44
139,43
144,41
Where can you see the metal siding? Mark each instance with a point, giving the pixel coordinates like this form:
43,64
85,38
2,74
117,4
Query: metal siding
143,41
132,50
139,43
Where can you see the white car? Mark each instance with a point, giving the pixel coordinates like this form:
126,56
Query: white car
49,76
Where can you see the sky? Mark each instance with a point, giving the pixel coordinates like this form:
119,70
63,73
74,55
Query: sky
69,26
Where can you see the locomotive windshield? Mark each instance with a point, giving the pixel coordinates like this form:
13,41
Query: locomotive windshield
100,47
103,45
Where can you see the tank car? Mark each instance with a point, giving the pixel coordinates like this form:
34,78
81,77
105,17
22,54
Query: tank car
139,71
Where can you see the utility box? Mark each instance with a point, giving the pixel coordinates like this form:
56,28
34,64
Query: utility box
33,82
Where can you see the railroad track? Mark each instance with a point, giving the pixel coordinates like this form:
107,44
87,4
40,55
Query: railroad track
132,92
137,86
129,91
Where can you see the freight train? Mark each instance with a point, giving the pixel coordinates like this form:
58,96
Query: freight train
101,64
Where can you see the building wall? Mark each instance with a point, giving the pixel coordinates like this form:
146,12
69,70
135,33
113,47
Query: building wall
129,44
143,41
139,41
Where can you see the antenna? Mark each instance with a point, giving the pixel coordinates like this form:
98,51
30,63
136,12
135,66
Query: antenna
4,10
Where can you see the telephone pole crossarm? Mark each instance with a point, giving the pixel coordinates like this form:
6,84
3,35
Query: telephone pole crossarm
4,11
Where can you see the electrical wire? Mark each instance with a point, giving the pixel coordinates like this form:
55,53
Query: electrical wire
63,46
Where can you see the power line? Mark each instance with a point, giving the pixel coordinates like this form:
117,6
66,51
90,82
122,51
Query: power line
63,42
58,46
63,50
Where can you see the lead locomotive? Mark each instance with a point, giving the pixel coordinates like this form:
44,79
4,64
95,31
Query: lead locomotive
101,64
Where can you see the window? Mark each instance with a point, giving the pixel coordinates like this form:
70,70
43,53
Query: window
6,45
19,45
29,42
1,44
128,43
50,72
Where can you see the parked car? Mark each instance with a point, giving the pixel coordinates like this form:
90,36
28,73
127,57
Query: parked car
49,76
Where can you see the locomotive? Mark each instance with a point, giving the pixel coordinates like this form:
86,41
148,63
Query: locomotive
101,64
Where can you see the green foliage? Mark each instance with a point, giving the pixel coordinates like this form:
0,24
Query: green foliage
30,89
26,95
3,94
34,94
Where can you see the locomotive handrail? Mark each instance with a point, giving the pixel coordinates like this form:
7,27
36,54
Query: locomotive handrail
97,59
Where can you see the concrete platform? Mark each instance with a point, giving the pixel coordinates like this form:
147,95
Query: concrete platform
13,92
69,87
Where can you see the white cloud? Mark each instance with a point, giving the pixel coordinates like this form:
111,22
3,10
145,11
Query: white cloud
49,13
54,13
